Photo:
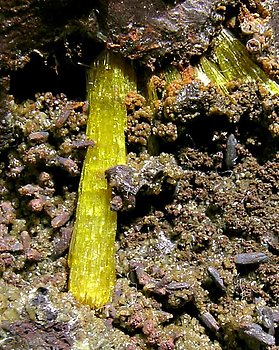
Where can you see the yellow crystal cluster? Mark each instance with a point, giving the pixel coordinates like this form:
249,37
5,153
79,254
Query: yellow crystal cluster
91,256
230,61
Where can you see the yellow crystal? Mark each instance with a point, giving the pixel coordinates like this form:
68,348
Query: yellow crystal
230,61
91,256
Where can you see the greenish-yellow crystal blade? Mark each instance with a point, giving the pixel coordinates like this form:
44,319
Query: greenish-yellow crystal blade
235,62
230,61
212,72
91,256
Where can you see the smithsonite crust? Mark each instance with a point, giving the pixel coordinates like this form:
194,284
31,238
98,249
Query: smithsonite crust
91,256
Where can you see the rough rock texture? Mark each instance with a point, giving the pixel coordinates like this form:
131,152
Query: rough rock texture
197,241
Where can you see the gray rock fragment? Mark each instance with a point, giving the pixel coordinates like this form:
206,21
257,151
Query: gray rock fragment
250,258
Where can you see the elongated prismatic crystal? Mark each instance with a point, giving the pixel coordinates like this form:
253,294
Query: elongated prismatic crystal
91,256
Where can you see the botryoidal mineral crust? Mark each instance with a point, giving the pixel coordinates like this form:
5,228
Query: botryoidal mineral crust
163,248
